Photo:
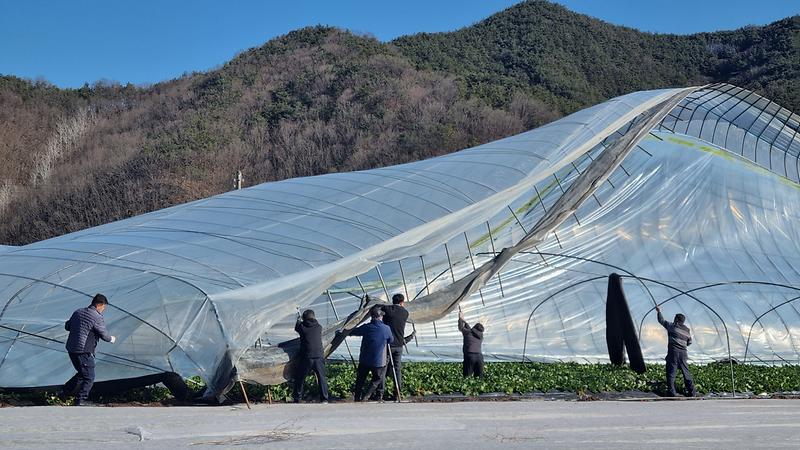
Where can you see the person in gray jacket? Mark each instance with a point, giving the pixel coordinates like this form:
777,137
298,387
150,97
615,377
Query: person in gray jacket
86,327
680,338
473,354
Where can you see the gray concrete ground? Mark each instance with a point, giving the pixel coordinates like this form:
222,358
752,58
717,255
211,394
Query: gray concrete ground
702,424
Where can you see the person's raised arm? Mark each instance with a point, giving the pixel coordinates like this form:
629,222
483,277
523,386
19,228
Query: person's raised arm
463,326
660,318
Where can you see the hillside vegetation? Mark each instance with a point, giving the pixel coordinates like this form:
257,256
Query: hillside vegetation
320,100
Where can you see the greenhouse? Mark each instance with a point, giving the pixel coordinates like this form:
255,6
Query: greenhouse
690,195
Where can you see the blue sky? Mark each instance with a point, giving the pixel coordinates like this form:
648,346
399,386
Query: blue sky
72,42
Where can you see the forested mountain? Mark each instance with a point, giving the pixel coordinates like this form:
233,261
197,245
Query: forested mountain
321,99
571,60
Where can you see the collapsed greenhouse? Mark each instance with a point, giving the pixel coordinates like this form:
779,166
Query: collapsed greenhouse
690,195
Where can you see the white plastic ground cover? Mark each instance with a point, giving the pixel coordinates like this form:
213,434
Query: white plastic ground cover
196,284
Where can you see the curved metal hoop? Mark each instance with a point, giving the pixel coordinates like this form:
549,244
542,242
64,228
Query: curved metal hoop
528,324
758,319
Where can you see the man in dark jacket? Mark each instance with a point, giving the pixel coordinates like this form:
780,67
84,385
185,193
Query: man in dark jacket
677,358
86,327
375,336
310,357
473,338
395,317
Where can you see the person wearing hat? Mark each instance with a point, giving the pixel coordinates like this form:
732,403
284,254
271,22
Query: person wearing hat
310,357
473,355
395,317
680,337
375,336
86,326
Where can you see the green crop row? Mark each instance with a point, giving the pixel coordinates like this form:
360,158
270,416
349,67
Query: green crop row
421,379
424,378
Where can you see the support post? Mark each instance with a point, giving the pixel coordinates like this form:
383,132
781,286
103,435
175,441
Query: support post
394,373
244,393
336,314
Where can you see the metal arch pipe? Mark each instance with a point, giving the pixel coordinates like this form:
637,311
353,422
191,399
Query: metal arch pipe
631,275
580,258
171,339
131,362
528,324
708,286
758,319
429,283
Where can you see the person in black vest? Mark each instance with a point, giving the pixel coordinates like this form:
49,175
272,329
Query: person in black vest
473,355
395,317
677,356
310,357
86,326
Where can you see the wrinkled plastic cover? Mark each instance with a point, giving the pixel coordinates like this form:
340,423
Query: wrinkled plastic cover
705,229
197,283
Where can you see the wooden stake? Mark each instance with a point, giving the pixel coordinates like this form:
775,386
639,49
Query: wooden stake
244,392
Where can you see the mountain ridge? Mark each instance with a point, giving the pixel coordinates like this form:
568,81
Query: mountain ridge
321,99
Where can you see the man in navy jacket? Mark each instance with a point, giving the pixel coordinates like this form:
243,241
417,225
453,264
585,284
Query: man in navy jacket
375,336
86,327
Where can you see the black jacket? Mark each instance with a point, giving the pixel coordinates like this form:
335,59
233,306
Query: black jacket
473,337
86,327
310,332
395,317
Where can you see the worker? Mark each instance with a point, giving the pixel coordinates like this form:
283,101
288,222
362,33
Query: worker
677,357
473,338
310,358
395,317
375,337
86,326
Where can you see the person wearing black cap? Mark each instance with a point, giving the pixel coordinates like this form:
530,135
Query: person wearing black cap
680,337
395,317
375,336
86,326
310,357
473,355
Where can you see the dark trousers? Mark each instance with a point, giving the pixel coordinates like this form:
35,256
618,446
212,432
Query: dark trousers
677,359
397,358
83,380
375,385
473,364
305,365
